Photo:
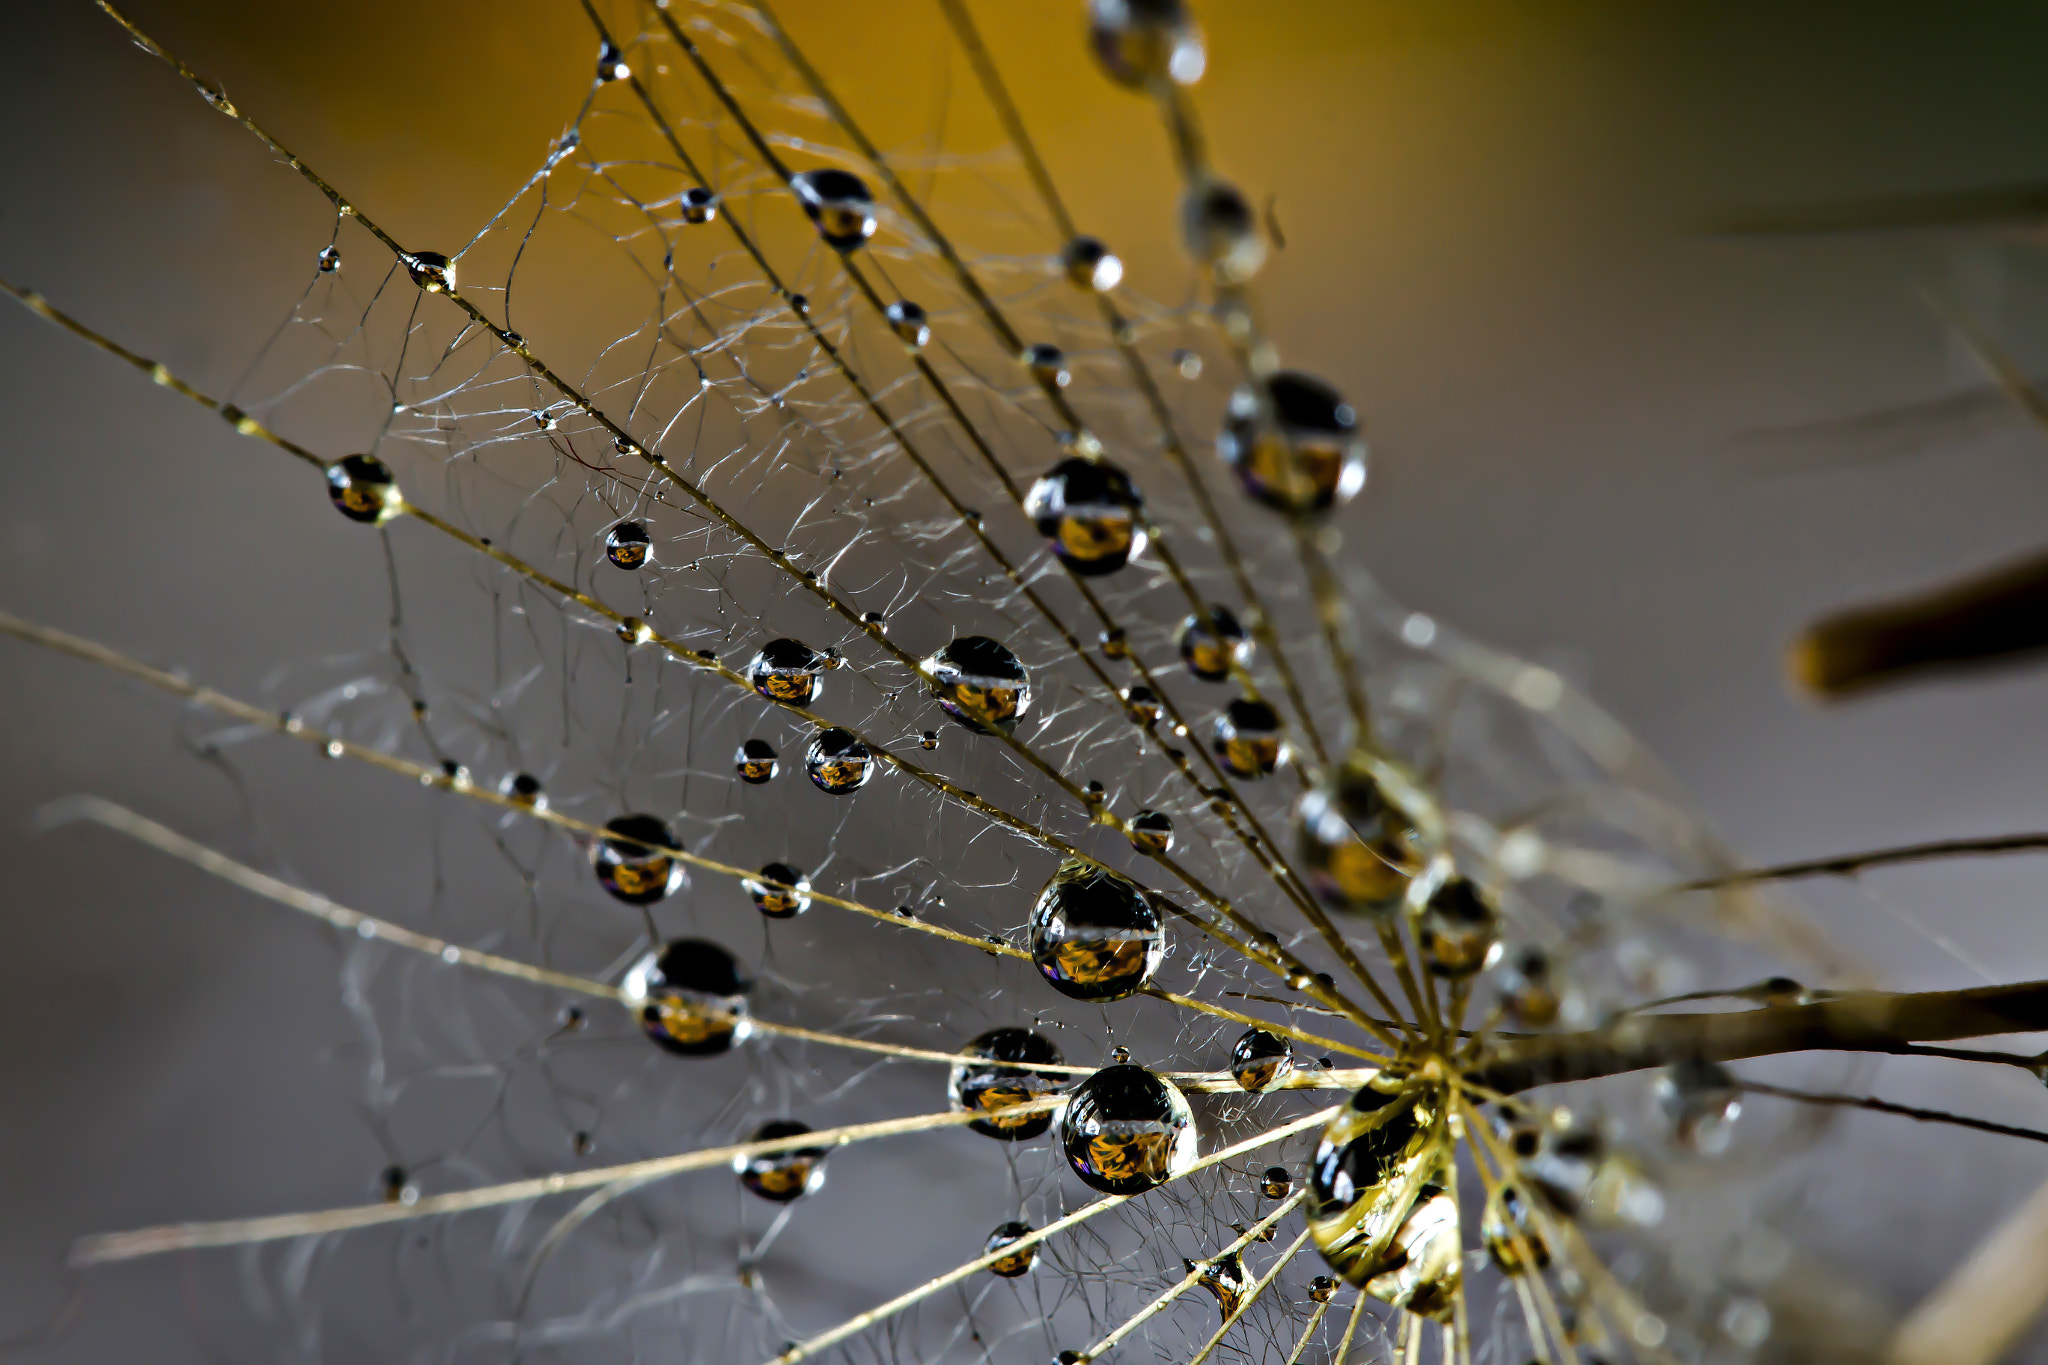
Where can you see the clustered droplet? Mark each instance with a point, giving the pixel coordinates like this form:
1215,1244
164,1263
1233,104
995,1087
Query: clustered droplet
362,489
1006,1081
1018,1262
979,683
838,763
1261,1061
1126,1131
1094,935
1209,651
756,762
788,671
626,545
628,867
691,997
1294,444
1090,513
839,205
1247,738
784,1176
786,901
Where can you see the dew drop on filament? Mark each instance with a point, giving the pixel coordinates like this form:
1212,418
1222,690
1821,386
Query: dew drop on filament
1142,43
628,868
839,205
908,321
979,683
362,489
1094,935
838,763
756,762
786,901
1459,930
627,546
1210,650
699,205
1300,450
1126,1131
1260,1061
1005,1081
788,671
1018,1262
1090,513
1247,738
1151,831
329,259
1090,265
785,1176
690,996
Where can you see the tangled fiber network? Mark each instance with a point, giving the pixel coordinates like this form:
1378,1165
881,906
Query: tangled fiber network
942,855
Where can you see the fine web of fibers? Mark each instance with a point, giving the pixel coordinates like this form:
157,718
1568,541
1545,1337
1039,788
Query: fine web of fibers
811,485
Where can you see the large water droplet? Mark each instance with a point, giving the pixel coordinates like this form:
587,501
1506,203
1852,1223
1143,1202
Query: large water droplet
1007,1081
1221,231
362,489
690,996
1151,831
1209,651
1261,1061
1094,935
1017,1262
979,683
776,902
628,868
1126,1131
1301,451
1459,930
787,671
1091,513
838,763
908,321
786,1175
1144,42
1091,265
1356,849
1366,1156
1247,738
699,205
626,545
756,762
839,204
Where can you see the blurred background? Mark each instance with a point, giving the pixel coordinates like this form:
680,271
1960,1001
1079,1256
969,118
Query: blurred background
1496,222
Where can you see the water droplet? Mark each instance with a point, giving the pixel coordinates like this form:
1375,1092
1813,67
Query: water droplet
1209,653
523,789
329,259
635,631
1007,1081
1701,1101
1151,831
1247,738
334,749
1141,704
583,1144
1115,643
1091,265
1091,513
775,901
362,489
1224,1277
928,740
756,762
1047,363
1423,1266
839,204
838,763
573,1018
1322,1288
1261,1061
1459,930
1356,849
1300,451
544,419
611,65
979,683
631,871
781,1177
1276,1182
698,205
905,912
691,997
430,270
1017,1262
1369,1148
1507,1218
1141,43
1527,988
908,321
800,304
1094,935
627,545
787,671
1126,1131
1188,363
398,1187
1220,230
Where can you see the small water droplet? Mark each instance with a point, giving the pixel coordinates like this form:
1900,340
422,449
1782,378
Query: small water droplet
1246,738
1151,831
329,259
1295,446
362,488
631,870
1017,1262
838,204
837,763
1090,513
691,997
430,270
1209,651
756,762
787,901
1090,265
699,205
784,1176
787,670
1048,363
1260,1061
908,321
979,683
627,545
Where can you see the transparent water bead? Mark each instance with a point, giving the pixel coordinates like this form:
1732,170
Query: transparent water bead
628,868
787,670
1260,1061
690,996
430,270
1422,1269
1221,230
1322,1288
362,489
785,1176
979,683
1356,848
1007,1080
1090,513
523,789
1126,1131
1528,988
1224,1278
908,321
1151,831
1141,43
1363,1177
699,205
1210,650
1459,930
756,762
1701,1101
1247,738
1509,1230
1094,935
329,259
776,902
1017,1263
627,545
1276,1182
611,64
1141,704
1301,450
838,204
1090,265
837,763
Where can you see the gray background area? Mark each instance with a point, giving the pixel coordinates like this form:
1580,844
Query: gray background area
1494,244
